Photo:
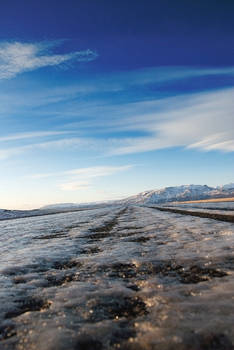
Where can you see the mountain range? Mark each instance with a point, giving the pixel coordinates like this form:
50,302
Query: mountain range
160,196
164,195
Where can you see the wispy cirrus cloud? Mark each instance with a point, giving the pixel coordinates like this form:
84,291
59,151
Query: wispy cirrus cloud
89,172
79,179
74,185
115,83
220,141
31,135
18,57
201,121
58,144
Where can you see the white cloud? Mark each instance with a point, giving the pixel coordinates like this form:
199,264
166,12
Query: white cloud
98,171
74,185
115,82
162,74
203,121
79,179
18,57
59,144
220,141
31,135
90,172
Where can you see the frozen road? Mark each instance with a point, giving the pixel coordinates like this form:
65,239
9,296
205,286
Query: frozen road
130,278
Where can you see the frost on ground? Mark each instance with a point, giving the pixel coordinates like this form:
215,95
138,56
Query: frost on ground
128,278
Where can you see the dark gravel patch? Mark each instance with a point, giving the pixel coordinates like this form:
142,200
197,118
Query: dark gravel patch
7,331
220,217
90,250
210,341
140,239
53,281
117,306
87,343
27,304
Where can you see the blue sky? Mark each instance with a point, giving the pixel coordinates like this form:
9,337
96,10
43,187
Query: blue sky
100,100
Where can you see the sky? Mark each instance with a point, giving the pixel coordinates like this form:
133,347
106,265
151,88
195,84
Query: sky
104,99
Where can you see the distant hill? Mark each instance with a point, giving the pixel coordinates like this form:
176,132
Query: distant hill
61,206
168,194
65,206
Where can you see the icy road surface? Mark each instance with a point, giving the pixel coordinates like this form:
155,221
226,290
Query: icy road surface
129,278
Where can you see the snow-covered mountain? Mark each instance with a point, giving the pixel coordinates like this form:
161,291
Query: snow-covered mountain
181,193
228,187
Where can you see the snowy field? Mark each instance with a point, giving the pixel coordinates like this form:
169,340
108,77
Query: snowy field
15,214
130,278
